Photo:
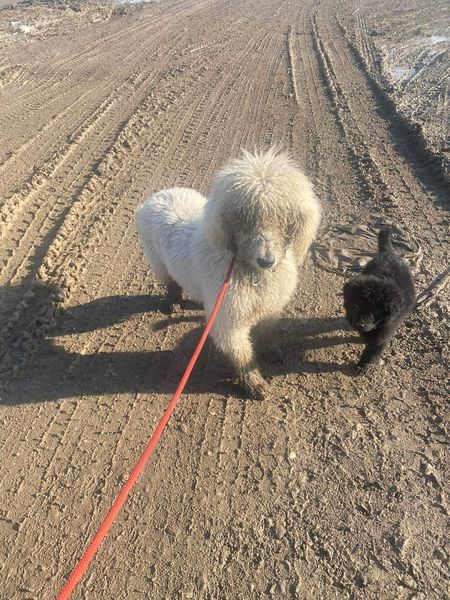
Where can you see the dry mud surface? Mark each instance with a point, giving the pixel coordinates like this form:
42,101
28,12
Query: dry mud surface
332,487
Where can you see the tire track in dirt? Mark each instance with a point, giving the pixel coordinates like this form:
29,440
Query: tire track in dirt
42,176
370,55
383,176
241,499
275,54
426,165
59,268
47,77
52,163
151,39
292,65
83,162
13,170
371,180
32,511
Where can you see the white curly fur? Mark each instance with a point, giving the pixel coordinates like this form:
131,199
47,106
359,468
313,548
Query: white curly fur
261,208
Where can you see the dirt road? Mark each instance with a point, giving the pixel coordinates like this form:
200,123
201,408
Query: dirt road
333,487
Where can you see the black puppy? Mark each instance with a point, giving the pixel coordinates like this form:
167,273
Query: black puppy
378,300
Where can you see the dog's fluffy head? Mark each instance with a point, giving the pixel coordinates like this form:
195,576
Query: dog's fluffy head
260,208
370,302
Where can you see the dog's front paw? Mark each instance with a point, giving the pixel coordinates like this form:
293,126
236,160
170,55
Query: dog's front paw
361,368
253,384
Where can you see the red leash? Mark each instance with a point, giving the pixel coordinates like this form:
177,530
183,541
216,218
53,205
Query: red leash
87,557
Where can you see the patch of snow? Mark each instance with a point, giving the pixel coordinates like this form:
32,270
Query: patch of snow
399,72
437,39
134,1
19,27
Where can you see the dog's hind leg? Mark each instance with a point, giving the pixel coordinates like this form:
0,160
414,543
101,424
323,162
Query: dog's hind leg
174,295
174,291
236,345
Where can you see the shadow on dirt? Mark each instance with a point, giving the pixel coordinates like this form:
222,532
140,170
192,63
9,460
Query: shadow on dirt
45,371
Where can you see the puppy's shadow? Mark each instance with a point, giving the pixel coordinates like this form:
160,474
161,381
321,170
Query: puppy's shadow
299,336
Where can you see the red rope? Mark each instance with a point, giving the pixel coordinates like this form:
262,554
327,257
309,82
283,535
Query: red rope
87,557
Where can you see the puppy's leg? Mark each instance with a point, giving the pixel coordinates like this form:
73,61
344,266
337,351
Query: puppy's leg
236,345
376,342
371,354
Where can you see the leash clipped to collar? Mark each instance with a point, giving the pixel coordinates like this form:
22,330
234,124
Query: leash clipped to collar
87,557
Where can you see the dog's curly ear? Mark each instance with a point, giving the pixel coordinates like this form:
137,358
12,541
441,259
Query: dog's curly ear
349,289
218,228
306,214
219,218
305,229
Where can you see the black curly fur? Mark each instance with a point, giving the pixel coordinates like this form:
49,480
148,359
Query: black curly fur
378,300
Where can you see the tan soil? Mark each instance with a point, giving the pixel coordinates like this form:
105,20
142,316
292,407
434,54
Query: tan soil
333,487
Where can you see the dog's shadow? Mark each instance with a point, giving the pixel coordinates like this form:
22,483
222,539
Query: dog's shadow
111,310
299,338
54,373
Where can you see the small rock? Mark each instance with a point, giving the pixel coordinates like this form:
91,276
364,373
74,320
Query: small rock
371,575
279,532
361,580
188,592
201,583
428,469
409,582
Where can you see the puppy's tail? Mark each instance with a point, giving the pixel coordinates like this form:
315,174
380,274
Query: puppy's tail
385,241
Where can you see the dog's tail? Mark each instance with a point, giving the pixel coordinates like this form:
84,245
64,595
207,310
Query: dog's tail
385,240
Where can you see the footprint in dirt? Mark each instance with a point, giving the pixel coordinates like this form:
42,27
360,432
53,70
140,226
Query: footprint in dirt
346,249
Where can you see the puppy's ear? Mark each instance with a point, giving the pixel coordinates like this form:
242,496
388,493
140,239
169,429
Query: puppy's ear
350,288
351,284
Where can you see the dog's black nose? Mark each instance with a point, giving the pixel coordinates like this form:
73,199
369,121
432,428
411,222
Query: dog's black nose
266,262
365,326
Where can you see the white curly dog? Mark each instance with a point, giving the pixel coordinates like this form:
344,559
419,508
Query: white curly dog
262,209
